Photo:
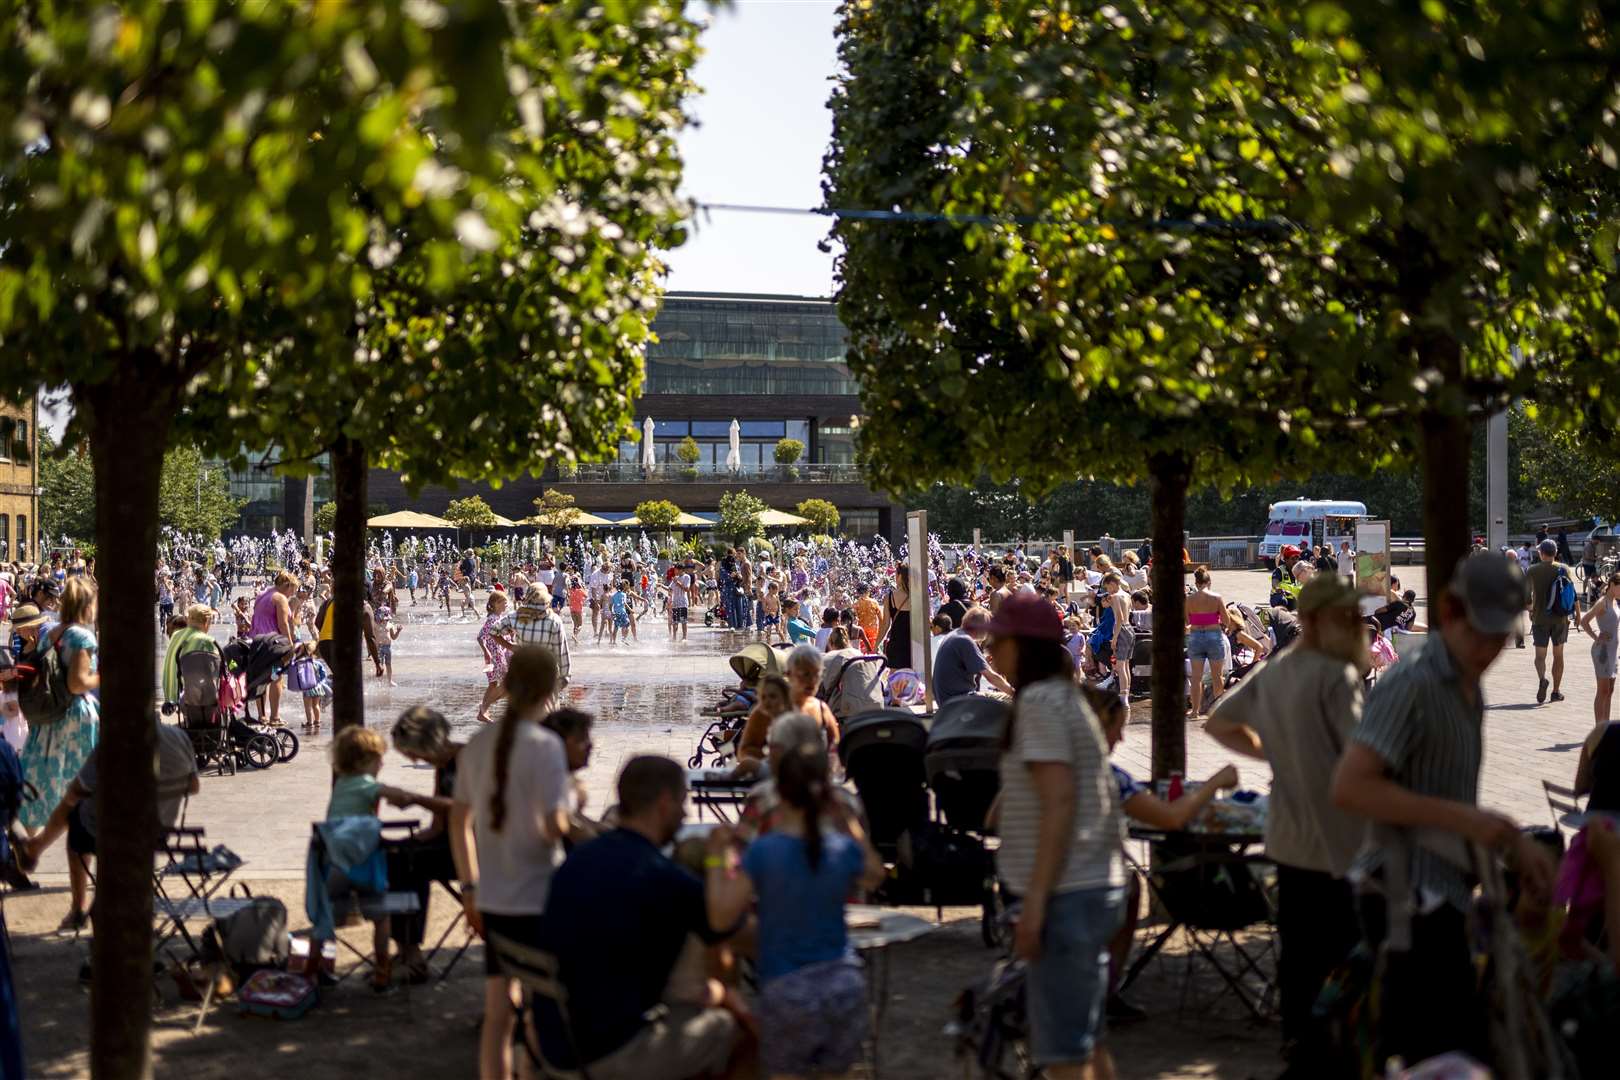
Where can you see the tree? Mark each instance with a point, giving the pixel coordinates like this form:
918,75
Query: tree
823,515
1565,469
469,513
658,514
194,497
176,179
555,510
687,451
788,451
325,518
67,492
739,516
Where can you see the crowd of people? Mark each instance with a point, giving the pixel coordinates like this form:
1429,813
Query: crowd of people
1374,824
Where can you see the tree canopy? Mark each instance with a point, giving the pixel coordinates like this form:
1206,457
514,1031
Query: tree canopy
822,515
555,509
193,496
739,516
658,514
469,512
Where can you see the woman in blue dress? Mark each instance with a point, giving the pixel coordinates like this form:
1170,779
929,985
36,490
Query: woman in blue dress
55,752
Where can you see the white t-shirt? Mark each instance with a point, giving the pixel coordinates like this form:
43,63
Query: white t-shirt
546,577
678,590
599,581
515,864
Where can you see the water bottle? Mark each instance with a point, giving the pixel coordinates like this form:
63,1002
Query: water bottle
1175,787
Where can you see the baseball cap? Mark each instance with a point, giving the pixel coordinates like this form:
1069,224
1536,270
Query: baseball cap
1325,591
1025,614
1493,593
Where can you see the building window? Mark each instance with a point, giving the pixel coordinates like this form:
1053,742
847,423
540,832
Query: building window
5,539
763,429
8,429
711,429
22,441
22,535
858,523
670,428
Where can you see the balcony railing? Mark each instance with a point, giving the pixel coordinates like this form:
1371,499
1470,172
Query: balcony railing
675,473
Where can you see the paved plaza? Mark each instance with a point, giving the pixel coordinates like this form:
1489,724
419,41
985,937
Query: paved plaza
646,697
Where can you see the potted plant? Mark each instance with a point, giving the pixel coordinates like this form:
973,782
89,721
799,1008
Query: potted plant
788,452
688,453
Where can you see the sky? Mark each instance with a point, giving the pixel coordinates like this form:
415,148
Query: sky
762,128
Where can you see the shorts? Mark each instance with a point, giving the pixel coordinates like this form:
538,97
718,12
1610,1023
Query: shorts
517,593
1125,647
814,1020
385,654
165,609
770,620
80,840
678,615
557,601
682,1041
1206,644
621,621
1068,984
1544,634
518,929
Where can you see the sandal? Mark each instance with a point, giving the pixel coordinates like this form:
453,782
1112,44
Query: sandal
417,972
73,922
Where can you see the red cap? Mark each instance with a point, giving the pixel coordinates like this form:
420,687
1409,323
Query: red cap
1027,615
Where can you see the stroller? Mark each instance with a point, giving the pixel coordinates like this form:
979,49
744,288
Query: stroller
963,763
259,661
201,716
935,864
718,742
853,685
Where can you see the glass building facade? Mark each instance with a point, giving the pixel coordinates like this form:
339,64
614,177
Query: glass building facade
747,345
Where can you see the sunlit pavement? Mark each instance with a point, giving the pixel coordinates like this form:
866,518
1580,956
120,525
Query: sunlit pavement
647,696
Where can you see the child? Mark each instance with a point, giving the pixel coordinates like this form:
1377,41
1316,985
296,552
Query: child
576,604
618,620
867,613
317,696
443,589
387,634
410,584
798,631
357,757
770,622
497,647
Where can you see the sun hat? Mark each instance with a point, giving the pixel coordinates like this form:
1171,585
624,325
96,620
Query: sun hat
1325,591
26,615
1027,615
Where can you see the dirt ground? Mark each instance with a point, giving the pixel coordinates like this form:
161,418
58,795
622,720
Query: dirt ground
432,1030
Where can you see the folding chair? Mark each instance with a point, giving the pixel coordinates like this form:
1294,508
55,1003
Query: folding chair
1563,804
204,874
537,972
460,920
1209,895
368,906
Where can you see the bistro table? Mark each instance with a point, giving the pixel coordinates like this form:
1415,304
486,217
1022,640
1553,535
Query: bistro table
872,930
720,792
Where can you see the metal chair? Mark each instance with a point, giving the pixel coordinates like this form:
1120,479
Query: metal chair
537,972
1563,804
368,906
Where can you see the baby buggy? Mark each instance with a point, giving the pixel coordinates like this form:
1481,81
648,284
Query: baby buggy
934,863
963,763
258,662
852,685
207,707
718,742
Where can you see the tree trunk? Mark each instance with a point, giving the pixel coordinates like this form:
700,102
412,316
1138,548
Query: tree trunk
1447,443
1171,474
348,583
128,422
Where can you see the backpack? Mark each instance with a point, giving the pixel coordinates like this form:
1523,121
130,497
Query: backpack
43,692
1560,598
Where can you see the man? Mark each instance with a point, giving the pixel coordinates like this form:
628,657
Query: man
957,604
1411,769
680,603
1589,555
1296,710
745,591
1325,562
961,662
1549,617
996,578
537,623
175,765
1347,560
600,583
617,918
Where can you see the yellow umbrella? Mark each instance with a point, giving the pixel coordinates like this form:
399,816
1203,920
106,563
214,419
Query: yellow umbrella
580,520
685,519
504,522
408,519
775,518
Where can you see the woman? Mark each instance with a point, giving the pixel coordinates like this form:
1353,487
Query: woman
1605,614
497,648
508,819
1114,640
812,997
422,735
895,628
1061,838
56,752
775,698
1206,642
573,727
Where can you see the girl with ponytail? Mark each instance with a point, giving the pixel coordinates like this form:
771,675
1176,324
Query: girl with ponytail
507,822
813,1010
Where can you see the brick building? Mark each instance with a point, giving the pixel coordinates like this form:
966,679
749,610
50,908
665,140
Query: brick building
19,481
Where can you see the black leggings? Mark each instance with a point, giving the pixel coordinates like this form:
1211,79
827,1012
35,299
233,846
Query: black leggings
415,865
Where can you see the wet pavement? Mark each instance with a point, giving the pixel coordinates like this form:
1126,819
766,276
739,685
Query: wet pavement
647,696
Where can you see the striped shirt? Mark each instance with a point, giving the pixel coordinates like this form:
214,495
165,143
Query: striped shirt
1052,723
541,626
1417,720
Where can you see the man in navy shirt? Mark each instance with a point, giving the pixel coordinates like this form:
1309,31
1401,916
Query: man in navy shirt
960,663
617,918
